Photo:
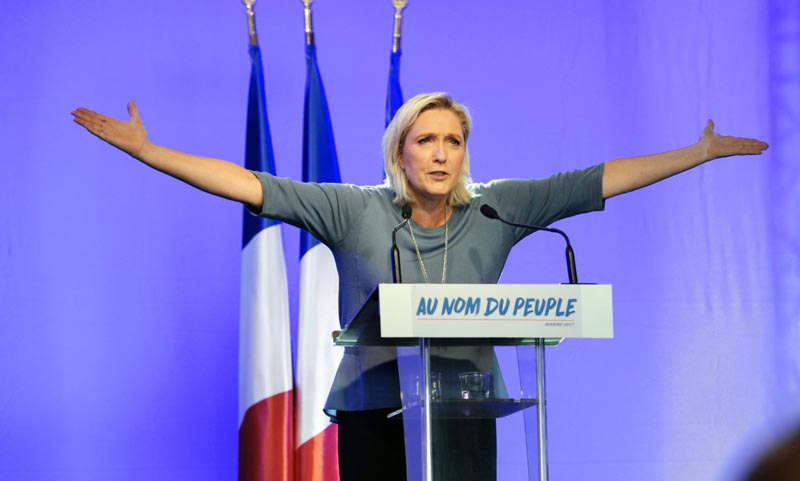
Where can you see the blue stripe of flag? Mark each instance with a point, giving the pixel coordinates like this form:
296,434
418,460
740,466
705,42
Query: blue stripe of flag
394,95
258,143
320,163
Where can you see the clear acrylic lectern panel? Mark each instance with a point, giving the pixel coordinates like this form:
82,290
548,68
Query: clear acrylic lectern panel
471,428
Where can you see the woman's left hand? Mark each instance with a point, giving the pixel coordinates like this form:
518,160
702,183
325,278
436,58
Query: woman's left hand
716,146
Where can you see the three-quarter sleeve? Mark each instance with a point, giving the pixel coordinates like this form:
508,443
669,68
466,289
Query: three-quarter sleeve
325,210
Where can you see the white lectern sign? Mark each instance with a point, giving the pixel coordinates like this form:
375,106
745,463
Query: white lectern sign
496,310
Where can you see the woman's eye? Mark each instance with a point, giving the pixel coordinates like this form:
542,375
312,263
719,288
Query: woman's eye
424,140
454,141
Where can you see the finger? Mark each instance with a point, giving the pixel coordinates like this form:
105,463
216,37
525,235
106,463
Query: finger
133,111
748,146
743,140
756,146
96,123
84,120
90,116
98,129
708,130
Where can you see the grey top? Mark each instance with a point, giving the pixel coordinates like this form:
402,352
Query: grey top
357,222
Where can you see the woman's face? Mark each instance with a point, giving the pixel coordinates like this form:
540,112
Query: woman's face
432,155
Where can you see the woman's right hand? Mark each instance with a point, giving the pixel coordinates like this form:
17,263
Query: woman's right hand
130,136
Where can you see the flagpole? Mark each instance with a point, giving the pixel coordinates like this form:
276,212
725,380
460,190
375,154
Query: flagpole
399,5
251,21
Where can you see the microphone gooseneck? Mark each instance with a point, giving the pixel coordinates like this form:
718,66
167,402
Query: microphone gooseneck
405,211
572,271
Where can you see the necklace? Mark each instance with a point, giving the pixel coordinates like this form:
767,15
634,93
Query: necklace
419,256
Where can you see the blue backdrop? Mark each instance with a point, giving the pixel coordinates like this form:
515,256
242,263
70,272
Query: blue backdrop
119,286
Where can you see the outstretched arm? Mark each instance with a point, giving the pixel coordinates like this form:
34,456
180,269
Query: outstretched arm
631,173
218,177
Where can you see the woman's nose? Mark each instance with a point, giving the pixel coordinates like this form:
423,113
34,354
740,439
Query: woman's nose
440,154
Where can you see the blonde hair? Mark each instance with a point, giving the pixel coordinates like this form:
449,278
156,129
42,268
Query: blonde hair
395,136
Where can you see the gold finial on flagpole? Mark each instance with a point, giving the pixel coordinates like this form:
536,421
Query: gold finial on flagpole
309,29
251,21
399,5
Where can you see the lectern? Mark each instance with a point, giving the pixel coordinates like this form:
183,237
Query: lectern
452,388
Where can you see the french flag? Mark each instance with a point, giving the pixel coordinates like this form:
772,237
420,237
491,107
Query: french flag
317,359
266,411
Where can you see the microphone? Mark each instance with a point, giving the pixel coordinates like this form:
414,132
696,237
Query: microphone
572,271
406,213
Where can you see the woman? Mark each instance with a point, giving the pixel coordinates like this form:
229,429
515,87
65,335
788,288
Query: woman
448,240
